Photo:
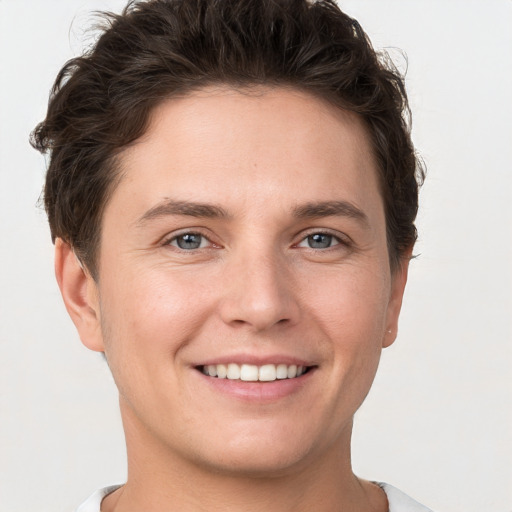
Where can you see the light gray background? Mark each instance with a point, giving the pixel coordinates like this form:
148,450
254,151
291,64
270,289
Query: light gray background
438,422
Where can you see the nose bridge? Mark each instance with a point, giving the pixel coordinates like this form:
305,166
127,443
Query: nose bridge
259,292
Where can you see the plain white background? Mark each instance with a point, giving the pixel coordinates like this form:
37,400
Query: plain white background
438,422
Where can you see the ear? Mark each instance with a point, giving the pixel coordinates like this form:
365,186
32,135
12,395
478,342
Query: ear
398,282
80,294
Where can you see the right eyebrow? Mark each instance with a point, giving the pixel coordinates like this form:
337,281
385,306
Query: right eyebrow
187,208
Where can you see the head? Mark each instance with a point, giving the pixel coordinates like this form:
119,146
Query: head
238,182
102,101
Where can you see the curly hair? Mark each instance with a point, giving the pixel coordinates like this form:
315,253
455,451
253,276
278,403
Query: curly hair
156,49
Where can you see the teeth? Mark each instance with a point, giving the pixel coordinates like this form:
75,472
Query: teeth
253,373
291,372
281,371
233,372
222,371
249,372
267,372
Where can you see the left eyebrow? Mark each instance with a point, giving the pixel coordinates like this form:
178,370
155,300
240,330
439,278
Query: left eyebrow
331,208
186,208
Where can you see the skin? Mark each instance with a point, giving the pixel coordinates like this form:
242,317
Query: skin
253,289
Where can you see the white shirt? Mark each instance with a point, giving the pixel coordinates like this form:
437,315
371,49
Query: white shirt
398,501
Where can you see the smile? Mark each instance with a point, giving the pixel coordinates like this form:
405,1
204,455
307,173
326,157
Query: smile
253,373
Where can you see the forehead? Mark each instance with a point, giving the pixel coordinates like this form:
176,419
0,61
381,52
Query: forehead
251,146
259,112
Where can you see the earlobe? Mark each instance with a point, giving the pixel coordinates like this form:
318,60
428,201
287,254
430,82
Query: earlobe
80,294
398,282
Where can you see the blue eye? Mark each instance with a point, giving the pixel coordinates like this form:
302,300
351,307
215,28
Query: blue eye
189,241
319,241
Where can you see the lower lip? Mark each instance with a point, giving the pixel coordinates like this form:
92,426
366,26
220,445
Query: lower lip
258,391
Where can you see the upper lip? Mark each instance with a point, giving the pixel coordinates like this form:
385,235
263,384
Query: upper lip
256,360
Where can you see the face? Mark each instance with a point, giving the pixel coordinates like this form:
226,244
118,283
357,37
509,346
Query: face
244,290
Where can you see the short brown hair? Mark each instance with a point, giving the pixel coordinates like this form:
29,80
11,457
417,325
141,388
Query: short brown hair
156,49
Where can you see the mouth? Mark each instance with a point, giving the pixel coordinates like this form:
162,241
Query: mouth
254,373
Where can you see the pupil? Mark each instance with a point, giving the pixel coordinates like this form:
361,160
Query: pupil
189,241
319,241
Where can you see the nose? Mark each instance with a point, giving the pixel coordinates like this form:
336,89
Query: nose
259,293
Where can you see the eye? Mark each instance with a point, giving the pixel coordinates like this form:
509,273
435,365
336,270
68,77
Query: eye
189,241
319,241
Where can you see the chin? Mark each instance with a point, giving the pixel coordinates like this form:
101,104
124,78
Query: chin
272,450
257,462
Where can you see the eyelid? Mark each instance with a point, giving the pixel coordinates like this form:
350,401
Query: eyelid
342,238
170,237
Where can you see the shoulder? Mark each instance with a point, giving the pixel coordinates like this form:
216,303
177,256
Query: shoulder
93,503
400,502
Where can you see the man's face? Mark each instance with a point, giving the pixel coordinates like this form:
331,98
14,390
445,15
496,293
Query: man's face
247,229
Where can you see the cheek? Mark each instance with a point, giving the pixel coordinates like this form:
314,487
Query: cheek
350,309
350,303
148,316
145,322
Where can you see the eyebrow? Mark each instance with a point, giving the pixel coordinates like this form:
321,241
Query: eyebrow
187,208
331,208
312,210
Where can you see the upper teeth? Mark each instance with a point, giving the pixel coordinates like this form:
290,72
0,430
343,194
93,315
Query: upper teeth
250,372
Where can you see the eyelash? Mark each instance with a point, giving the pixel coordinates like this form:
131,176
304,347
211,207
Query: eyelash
343,241
170,241
336,239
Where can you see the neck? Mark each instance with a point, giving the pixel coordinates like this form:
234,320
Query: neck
160,480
